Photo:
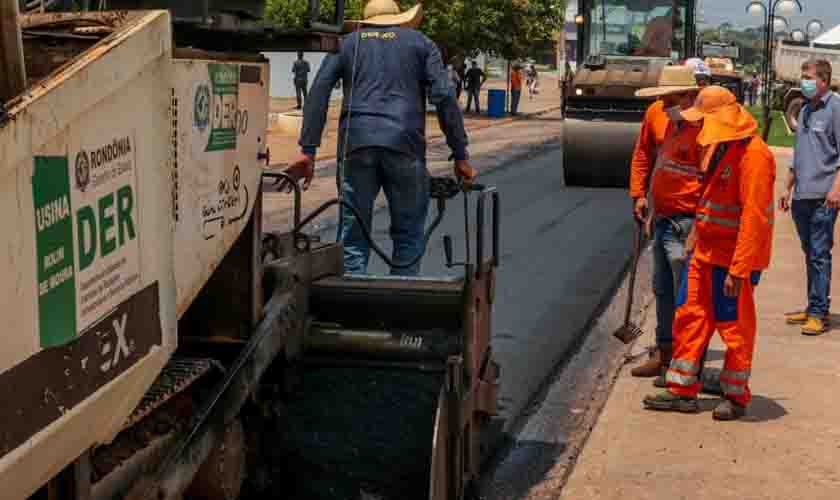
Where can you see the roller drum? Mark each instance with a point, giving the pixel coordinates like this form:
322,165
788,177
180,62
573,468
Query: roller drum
597,153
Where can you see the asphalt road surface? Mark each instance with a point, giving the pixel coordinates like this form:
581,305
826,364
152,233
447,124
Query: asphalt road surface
561,252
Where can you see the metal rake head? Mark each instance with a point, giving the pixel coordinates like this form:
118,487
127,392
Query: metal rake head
628,333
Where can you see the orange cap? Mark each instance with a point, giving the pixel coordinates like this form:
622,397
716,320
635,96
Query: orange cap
723,118
710,101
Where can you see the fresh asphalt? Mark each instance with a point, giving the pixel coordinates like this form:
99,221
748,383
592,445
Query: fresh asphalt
562,250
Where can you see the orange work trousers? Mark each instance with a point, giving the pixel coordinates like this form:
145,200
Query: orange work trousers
703,308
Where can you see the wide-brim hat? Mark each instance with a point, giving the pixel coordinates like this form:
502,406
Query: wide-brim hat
723,118
673,80
387,13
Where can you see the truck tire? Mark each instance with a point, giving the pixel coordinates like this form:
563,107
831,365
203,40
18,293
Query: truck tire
792,109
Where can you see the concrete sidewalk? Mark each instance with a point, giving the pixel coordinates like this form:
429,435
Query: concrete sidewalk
788,445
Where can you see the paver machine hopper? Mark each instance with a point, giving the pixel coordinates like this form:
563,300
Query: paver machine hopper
623,46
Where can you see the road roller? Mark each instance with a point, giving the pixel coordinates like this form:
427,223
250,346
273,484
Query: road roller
623,46
160,342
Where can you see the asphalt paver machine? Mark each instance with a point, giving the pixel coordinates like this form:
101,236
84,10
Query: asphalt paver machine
158,343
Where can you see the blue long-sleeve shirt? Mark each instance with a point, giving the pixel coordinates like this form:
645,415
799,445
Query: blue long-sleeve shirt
396,69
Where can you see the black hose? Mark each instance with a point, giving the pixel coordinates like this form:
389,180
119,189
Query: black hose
367,233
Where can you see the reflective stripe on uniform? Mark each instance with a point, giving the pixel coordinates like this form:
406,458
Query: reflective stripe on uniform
732,389
717,220
735,209
680,379
689,170
685,366
675,170
740,375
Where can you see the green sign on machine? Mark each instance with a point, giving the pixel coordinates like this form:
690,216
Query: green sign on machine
54,250
224,82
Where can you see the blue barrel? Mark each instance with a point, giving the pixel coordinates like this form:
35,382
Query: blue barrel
496,103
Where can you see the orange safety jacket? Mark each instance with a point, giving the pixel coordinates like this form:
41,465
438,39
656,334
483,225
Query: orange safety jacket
677,179
735,213
651,136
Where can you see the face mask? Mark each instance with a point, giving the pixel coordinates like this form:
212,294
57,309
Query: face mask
808,87
674,113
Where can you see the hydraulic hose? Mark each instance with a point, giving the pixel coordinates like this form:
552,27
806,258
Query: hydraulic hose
366,232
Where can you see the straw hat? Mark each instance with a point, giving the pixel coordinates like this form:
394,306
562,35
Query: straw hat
387,13
673,80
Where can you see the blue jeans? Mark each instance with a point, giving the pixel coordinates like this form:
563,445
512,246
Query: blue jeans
669,260
514,101
405,181
815,225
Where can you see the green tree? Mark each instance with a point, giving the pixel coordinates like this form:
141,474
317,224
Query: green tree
461,28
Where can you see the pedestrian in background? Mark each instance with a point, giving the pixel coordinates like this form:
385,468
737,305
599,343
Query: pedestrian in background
729,247
533,81
515,89
300,72
814,185
756,83
474,79
454,79
746,86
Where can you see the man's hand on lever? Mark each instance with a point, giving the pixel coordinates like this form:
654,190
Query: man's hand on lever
302,168
465,171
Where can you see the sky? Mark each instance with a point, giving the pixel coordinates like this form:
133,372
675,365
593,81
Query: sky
715,12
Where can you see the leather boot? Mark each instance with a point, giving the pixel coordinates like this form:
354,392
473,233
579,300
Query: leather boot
651,367
667,353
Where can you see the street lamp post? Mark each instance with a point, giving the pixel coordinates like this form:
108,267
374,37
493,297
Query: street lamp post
770,19
813,28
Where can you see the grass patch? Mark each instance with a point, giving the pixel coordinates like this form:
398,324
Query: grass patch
778,131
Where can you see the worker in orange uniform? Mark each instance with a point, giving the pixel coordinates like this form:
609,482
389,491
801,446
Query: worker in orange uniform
666,168
730,246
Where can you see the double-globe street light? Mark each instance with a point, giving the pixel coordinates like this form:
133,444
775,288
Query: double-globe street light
812,29
772,23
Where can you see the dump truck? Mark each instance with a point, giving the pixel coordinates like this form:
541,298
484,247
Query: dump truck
787,66
160,343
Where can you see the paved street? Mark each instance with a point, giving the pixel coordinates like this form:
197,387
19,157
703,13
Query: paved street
561,250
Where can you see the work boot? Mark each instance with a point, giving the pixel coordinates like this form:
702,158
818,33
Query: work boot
710,379
667,353
729,410
668,401
796,317
814,326
651,367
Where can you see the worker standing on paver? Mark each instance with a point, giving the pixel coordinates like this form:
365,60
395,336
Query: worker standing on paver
814,185
666,168
730,246
388,69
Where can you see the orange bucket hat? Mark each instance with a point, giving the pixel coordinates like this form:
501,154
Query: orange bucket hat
723,118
